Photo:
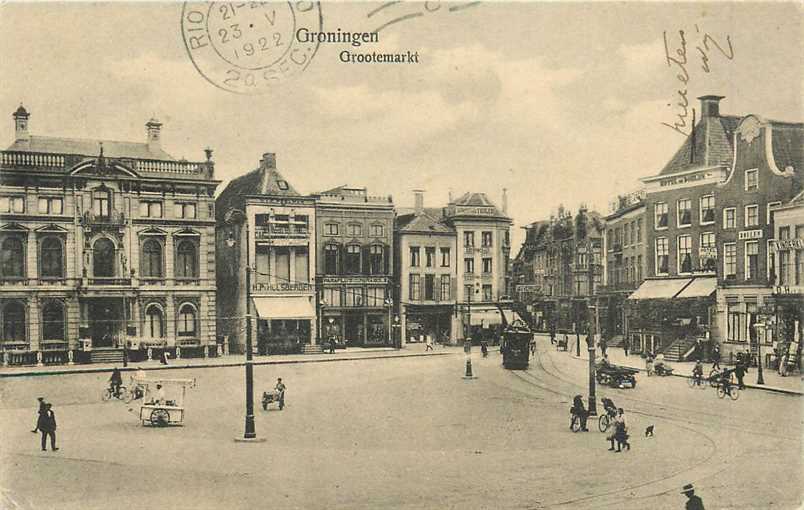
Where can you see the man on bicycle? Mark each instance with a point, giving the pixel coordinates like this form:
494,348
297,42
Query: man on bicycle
725,380
697,372
609,407
580,411
115,381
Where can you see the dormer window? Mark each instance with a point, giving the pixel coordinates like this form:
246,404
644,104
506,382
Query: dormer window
283,185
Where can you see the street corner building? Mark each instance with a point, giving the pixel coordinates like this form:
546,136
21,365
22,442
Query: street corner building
266,233
107,249
453,269
710,216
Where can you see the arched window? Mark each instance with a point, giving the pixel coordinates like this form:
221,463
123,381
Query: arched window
186,266
151,259
14,322
103,255
52,258
53,321
186,323
153,322
12,258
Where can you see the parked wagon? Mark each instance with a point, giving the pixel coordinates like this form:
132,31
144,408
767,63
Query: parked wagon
616,376
161,412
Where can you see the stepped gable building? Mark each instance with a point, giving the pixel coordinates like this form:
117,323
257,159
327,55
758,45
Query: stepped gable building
624,265
425,261
766,173
266,235
787,263
354,239
105,245
675,304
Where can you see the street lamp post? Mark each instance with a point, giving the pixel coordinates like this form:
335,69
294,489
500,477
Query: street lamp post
590,345
397,334
250,434
390,303
760,330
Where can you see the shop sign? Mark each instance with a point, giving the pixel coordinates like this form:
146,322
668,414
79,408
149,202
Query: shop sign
356,280
789,289
709,252
528,288
788,244
475,211
749,234
265,237
283,287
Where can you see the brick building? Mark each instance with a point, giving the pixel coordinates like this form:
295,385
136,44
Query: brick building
105,245
354,239
766,172
675,304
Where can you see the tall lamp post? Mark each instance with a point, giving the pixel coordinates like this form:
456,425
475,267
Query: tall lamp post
590,345
389,303
250,434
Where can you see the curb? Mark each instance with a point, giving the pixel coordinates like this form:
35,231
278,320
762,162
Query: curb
90,370
774,389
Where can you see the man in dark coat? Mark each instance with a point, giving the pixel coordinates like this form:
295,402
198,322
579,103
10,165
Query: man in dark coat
716,357
47,425
626,345
42,408
693,501
740,370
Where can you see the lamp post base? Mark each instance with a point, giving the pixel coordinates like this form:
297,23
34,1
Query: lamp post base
249,440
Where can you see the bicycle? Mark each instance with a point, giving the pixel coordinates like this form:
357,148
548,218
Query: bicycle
575,421
108,393
137,392
728,389
604,422
714,378
696,380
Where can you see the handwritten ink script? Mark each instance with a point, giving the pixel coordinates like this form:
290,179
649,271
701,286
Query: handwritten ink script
401,11
707,46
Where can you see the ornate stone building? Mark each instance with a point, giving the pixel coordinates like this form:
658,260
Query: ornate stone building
105,245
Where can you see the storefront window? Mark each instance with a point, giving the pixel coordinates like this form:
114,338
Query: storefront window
377,330
445,287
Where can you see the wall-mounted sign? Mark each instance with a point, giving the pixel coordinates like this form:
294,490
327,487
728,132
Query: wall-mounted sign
283,287
475,211
789,289
708,252
749,234
283,241
788,244
356,280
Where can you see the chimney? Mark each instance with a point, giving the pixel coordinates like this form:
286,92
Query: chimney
710,106
268,160
154,128
418,200
21,123
505,201
208,152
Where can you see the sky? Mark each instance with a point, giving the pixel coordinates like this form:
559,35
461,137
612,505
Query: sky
560,103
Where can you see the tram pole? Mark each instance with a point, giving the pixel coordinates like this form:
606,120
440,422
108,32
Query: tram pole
250,432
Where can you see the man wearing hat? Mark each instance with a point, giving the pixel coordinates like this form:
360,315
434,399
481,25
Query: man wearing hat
693,501
42,410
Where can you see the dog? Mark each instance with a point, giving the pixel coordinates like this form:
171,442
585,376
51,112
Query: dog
649,431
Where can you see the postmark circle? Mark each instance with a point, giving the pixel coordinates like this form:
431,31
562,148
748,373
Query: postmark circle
250,46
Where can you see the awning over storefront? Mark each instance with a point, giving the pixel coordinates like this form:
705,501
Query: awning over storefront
700,287
659,289
294,307
486,317
511,316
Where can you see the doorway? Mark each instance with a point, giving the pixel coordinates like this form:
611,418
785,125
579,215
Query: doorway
105,321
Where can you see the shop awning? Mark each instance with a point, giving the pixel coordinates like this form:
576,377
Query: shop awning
485,317
292,307
511,316
700,287
659,289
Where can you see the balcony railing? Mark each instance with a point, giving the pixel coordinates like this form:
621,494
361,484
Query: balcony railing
110,281
468,250
265,231
31,159
114,217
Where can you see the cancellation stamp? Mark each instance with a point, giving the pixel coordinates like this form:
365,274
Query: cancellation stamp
248,47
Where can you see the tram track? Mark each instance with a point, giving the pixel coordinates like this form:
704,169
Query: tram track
714,464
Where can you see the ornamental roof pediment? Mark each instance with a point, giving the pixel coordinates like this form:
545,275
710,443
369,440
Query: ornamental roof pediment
92,167
51,228
153,231
13,227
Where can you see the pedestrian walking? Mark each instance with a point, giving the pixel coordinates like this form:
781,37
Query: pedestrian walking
280,387
693,501
428,344
740,370
552,336
716,357
164,358
649,363
603,345
332,344
621,431
40,412
47,426
115,381
626,345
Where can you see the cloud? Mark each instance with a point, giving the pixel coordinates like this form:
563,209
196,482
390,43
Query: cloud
642,59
